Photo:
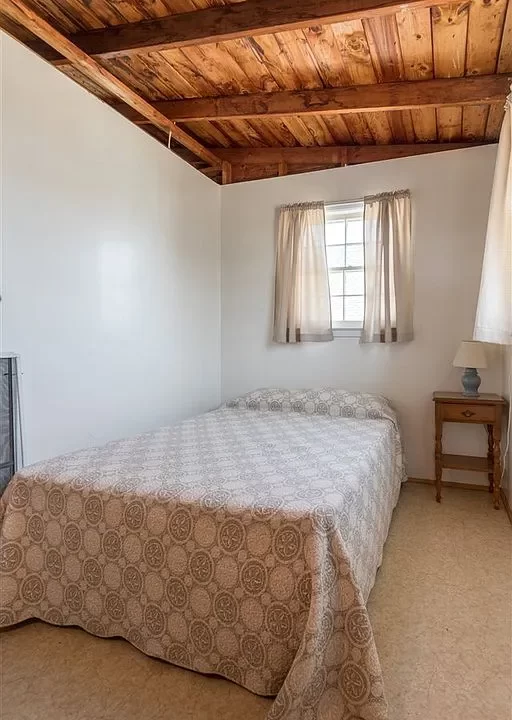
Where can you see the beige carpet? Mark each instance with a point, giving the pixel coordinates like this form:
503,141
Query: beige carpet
441,611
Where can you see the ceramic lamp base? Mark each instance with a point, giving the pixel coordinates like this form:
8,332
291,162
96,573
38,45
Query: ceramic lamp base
471,382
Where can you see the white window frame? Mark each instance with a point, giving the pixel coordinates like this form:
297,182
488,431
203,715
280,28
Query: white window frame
345,211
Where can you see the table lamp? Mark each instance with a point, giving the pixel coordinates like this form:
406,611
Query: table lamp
470,355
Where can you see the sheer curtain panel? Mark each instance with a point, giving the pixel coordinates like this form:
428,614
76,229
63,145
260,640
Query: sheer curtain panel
388,265
302,303
493,322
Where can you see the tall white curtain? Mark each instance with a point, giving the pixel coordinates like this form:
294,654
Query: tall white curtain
388,264
302,304
494,312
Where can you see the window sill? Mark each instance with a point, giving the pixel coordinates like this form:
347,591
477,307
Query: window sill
347,333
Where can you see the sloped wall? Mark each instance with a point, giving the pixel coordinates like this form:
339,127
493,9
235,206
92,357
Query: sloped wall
110,266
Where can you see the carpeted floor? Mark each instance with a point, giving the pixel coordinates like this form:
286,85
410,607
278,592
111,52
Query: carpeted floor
441,611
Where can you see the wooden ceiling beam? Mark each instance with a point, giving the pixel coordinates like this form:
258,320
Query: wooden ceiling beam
484,89
334,155
259,163
18,11
226,22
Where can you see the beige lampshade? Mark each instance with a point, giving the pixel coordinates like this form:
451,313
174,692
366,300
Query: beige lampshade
470,354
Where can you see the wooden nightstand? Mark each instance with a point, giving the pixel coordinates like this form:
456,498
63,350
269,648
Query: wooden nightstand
486,409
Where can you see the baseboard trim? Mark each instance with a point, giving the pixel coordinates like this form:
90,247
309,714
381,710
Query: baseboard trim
466,486
504,500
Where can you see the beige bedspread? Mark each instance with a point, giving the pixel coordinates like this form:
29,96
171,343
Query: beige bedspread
243,542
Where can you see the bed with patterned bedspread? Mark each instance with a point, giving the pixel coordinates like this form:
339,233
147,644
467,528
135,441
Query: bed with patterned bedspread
243,542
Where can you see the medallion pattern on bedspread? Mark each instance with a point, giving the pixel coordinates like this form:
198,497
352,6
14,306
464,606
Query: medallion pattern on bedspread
239,543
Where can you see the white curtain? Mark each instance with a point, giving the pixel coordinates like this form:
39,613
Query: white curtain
302,304
388,264
494,312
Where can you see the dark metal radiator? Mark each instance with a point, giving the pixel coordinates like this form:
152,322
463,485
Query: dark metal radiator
10,435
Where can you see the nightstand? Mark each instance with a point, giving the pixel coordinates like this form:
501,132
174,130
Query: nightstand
486,409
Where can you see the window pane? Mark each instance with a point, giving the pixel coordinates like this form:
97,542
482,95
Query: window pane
335,233
345,249
336,256
337,309
354,282
355,255
354,308
354,231
336,283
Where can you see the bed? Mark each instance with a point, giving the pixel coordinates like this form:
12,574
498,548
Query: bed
243,542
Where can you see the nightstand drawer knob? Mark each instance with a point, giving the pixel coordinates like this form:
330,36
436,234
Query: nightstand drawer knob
468,413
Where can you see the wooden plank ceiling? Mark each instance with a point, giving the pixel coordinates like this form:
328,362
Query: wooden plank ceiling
268,87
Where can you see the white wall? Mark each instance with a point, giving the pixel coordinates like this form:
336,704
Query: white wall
450,195
111,284
110,266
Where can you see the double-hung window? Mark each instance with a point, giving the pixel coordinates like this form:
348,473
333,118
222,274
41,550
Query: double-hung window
345,260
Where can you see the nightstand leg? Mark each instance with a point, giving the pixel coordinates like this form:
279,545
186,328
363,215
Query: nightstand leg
438,451
496,452
490,457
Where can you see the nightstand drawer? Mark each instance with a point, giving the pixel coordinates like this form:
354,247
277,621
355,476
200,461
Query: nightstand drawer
464,412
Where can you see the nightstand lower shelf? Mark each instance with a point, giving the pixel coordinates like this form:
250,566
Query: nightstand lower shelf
466,462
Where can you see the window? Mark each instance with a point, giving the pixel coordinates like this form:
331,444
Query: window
345,260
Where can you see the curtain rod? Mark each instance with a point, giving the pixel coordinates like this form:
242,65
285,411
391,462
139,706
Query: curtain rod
391,193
